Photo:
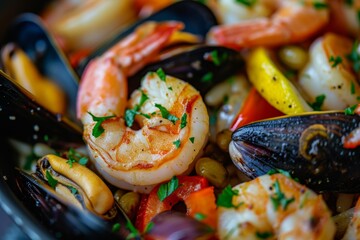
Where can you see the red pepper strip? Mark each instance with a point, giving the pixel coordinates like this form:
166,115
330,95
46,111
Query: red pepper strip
255,108
353,139
202,203
151,205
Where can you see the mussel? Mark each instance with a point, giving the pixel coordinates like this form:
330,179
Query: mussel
70,208
309,146
201,20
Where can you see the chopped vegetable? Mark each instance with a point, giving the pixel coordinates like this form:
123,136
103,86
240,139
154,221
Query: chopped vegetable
183,121
192,139
352,88
98,129
248,3
320,5
319,101
279,198
161,74
115,227
225,197
52,182
354,56
350,110
335,60
168,188
208,77
165,113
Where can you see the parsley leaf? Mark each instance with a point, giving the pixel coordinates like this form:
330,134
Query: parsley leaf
30,159
350,110
248,3
134,233
70,162
161,74
192,139
98,129
74,156
165,113
335,61
319,101
73,190
168,188
354,56
131,113
52,182
225,197
149,227
199,216
83,161
218,59
183,121
283,172
177,143
115,227
352,88
279,198
320,5
170,88
264,235
207,77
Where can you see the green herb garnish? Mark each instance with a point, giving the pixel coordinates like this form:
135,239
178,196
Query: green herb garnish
165,113
218,59
352,88
225,197
350,110
83,161
177,143
207,77
70,162
98,129
279,198
183,121
199,216
115,227
161,74
192,139
170,88
283,172
320,5
355,57
264,235
335,61
52,182
46,138
148,227
248,3
131,113
166,189
30,159
74,156
72,190
319,101
134,233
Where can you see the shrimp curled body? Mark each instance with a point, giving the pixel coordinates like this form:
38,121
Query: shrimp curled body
171,122
277,207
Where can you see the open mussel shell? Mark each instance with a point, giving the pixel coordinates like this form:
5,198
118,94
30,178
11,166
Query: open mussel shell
196,66
309,146
24,119
197,19
29,34
63,221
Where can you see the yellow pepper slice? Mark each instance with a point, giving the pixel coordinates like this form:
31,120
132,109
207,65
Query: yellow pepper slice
273,85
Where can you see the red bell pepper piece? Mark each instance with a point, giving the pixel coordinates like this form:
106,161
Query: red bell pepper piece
151,205
353,139
255,108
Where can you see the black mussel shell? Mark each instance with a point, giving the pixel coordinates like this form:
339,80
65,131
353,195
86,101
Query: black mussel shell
309,146
28,32
24,119
196,66
63,221
197,18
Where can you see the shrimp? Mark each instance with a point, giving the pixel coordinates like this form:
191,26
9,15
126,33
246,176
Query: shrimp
171,119
327,76
277,207
294,21
353,231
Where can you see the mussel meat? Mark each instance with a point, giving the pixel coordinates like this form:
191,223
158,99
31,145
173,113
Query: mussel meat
309,146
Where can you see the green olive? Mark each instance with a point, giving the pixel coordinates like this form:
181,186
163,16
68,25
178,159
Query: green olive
118,194
130,202
293,56
213,171
223,139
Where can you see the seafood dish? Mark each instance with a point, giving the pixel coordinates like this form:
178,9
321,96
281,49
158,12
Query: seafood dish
216,119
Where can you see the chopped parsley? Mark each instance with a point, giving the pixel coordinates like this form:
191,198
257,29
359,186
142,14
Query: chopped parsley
52,182
192,139
177,143
320,5
290,73
335,61
134,233
183,121
279,198
131,113
248,3
355,57
30,159
149,227
225,197
74,156
199,216
46,138
98,129
207,77
170,88
226,99
218,59
166,189
72,190
161,74
165,113
70,162
352,88
283,172
115,227
319,101
350,110
264,235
